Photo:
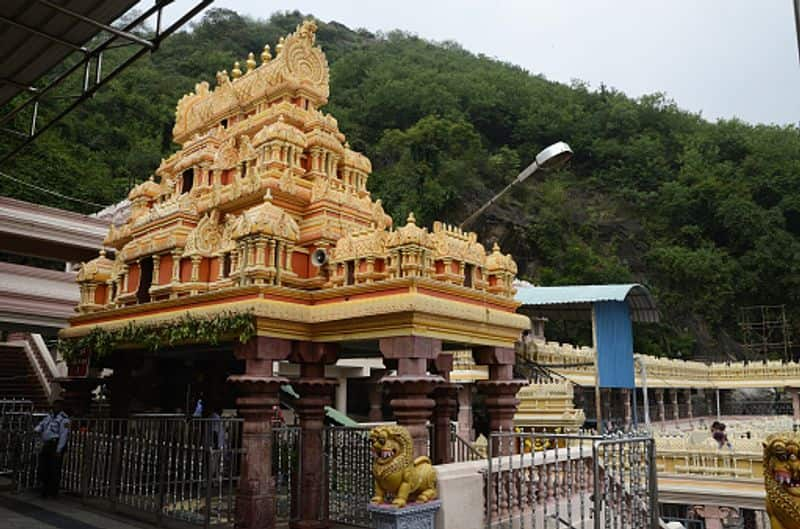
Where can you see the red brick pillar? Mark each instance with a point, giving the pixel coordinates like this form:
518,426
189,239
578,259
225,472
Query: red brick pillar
465,412
501,388
410,387
375,396
315,393
258,392
445,396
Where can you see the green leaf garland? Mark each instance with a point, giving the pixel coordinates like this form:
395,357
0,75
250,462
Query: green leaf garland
99,343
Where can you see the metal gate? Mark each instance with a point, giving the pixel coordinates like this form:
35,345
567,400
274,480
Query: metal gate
153,468
347,471
348,458
558,481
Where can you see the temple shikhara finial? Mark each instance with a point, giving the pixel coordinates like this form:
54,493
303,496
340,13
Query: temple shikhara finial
264,178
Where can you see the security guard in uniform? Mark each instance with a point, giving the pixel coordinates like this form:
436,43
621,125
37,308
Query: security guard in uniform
54,430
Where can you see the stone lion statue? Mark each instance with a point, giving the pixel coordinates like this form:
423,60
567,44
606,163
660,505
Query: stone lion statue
397,474
782,479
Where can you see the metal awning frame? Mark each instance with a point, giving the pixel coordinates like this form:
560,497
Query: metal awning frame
91,62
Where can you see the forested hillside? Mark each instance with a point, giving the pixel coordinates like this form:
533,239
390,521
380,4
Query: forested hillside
705,214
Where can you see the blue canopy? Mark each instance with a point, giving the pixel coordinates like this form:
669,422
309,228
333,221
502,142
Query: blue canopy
611,309
575,302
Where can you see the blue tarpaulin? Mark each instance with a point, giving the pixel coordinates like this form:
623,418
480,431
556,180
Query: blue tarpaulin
614,344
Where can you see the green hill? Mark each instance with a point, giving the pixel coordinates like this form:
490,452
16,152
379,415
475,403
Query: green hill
706,214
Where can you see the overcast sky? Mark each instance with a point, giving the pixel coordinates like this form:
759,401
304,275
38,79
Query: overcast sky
723,58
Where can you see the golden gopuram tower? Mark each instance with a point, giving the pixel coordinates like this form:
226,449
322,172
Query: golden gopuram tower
230,224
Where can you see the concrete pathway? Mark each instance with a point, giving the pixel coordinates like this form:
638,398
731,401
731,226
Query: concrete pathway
29,511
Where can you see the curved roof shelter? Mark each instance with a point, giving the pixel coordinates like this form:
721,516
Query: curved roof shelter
41,39
574,302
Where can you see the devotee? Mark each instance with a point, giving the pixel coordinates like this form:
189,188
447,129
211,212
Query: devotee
719,435
54,431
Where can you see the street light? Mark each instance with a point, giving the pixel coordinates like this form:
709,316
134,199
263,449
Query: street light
550,157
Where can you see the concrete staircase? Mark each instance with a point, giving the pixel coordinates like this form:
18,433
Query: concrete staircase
18,378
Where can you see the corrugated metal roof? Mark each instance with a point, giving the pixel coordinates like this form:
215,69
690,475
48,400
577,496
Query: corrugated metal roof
26,54
575,301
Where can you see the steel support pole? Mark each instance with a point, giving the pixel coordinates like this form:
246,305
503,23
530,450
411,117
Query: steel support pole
597,404
645,395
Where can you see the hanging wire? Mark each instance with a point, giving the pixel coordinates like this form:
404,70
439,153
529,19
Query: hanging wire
51,192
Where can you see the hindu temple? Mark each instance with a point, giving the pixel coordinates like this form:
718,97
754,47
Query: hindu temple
264,213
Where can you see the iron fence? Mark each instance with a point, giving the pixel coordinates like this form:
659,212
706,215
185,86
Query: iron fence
285,470
152,468
563,480
461,449
349,461
16,417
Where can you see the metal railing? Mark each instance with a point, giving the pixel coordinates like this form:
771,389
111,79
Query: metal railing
563,480
285,470
16,417
461,449
348,454
155,468
347,472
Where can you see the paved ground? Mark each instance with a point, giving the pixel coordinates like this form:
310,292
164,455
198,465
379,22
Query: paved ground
28,511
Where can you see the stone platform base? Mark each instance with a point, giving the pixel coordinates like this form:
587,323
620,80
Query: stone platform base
412,516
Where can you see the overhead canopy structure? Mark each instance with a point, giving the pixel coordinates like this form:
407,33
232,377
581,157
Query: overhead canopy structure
40,39
37,37
611,308
575,302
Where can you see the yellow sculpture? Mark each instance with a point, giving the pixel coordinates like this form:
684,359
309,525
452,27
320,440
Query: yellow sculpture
397,474
782,479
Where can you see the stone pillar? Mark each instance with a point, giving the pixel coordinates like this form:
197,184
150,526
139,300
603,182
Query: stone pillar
606,401
375,396
688,396
711,402
446,398
410,387
625,397
795,393
465,412
258,392
501,388
121,385
659,393
676,410
315,393
340,402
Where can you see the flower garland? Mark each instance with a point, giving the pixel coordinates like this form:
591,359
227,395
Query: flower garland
100,343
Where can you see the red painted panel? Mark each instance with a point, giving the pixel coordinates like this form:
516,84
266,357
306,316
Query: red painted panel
186,270
213,269
165,270
133,277
300,264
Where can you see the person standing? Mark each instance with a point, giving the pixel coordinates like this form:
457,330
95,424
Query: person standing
54,431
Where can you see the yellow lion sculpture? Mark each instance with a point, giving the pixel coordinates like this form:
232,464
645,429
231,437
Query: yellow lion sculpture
397,474
782,480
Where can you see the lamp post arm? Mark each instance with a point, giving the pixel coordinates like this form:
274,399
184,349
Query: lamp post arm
520,177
